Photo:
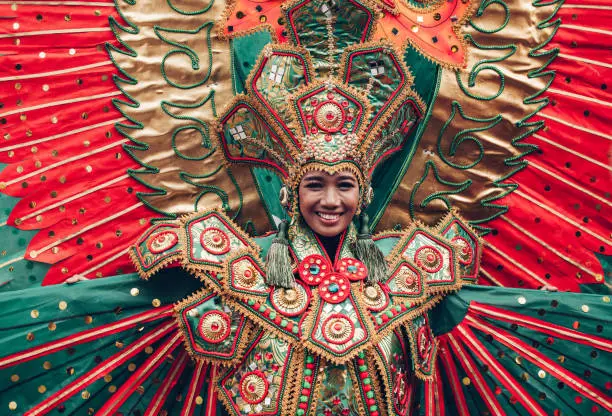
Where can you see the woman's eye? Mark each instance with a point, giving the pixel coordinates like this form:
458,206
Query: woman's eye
313,185
346,185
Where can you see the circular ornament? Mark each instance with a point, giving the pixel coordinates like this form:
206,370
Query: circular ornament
338,329
406,279
353,269
314,268
162,241
215,241
429,259
254,387
245,275
214,326
290,302
466,254
329,116
375,297
334,288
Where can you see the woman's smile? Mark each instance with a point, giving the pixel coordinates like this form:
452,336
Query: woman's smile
328,202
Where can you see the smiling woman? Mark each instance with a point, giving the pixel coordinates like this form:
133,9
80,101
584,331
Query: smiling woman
328,202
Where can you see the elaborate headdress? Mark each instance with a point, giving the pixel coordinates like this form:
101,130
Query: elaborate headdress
324,103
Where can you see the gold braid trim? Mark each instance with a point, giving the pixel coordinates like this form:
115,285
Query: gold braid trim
381,368
395,257
293,378
411,332
317,382
240,347
350,369
261,112
146,274
378,390
453,214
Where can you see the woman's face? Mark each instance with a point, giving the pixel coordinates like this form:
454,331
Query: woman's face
328,202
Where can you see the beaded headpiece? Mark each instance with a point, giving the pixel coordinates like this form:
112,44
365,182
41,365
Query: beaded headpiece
325,102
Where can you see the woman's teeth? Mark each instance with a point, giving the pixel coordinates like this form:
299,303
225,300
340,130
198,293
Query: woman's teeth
328,216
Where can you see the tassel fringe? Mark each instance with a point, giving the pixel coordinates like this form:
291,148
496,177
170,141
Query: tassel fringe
279,270
368,253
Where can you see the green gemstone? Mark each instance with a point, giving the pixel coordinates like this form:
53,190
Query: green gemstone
309,359
262,308
379,321
300,412
272,315
295,329
308,372
389,314
284,323
367,380
363,368
307,385
370,394
303,399
251,302
373,408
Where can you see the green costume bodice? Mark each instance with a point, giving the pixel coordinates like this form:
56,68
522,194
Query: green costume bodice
332,343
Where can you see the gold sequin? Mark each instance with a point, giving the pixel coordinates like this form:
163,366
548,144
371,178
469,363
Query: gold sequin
85,394
466,381
131,367
45,87
606,299
62,179
112,389
42,388
13,405
521,300
15,378
34,313
47,365
107,199
23,117
149,350
585,308
19,169
199,400
134,291
18,86
54,120
62,305
518,360
65,270
156,303
52,326
108,378
7,136
88,168
88,319
541,373
30,336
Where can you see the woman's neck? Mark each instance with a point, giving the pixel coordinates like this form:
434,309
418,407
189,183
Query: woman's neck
330,245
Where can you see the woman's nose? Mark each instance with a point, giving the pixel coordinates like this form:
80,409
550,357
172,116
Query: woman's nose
330,197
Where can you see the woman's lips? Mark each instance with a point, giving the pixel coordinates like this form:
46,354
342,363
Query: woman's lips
329,218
